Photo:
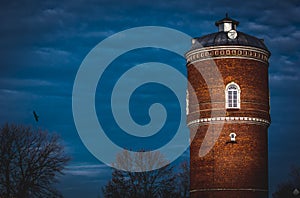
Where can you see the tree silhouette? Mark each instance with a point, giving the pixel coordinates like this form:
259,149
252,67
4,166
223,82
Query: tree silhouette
290,188
30,161
146,184
184,180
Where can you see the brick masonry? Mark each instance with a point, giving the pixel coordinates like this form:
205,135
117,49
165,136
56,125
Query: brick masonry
229,170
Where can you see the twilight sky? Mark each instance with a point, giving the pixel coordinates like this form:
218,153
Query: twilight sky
44,42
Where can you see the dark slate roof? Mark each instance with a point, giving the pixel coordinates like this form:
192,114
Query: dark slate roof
221,38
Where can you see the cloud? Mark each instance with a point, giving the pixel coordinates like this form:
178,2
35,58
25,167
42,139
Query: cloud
43,43
16,82
88,170
46,51
36,87
280,77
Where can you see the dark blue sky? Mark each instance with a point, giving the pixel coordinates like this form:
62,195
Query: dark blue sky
44,42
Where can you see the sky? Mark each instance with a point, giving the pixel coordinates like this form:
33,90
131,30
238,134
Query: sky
43,44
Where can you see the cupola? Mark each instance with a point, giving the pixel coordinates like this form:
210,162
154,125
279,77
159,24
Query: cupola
227,24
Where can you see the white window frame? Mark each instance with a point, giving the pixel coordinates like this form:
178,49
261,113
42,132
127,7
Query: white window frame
232,137
238,96
187,102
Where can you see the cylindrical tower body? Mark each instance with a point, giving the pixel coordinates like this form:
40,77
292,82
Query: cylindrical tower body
236,117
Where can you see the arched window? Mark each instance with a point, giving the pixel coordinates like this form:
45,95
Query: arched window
232,137
232,94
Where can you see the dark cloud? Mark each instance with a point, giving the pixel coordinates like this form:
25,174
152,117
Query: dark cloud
42,45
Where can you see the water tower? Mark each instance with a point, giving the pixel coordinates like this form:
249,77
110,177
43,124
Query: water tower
237,164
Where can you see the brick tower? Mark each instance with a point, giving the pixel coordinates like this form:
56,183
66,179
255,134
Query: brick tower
228,114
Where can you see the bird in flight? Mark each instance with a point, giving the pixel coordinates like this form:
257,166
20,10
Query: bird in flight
36,117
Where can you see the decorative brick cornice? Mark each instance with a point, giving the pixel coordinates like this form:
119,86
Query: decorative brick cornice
216,52
229,189
204,121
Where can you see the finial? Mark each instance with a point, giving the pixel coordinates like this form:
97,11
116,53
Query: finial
226,14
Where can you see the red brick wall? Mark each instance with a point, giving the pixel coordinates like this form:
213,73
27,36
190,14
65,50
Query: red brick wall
244,164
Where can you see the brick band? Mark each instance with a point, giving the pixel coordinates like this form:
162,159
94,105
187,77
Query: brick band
222,119
227,52
229,189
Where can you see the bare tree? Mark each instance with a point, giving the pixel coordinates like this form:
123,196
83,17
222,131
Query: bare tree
184,180
290,188
145,184
30,161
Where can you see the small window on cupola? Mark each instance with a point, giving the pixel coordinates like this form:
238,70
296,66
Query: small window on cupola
232,96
